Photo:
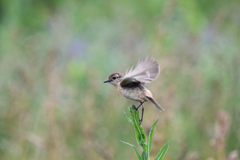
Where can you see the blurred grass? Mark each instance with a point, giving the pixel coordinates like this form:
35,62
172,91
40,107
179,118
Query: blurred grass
54,56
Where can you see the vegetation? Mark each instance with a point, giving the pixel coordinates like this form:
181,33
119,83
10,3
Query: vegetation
55,55
141,137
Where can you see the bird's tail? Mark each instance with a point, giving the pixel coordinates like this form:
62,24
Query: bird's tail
155,103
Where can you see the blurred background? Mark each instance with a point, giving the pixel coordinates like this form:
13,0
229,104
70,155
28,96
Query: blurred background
55,55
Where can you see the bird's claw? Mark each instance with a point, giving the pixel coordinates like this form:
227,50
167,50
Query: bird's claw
135,108
140,120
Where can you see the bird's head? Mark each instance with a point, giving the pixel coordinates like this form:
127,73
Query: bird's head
114,78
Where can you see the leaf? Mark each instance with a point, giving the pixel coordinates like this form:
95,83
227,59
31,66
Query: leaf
135,149
150,137
128,117
162,152
140,136
144,155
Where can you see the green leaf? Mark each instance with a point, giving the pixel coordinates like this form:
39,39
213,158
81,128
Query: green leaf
140,136
162,152
144,155
128,117
135,149
150,137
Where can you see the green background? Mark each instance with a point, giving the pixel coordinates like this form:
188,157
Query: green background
55,55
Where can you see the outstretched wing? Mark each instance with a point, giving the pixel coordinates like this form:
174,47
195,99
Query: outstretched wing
145,71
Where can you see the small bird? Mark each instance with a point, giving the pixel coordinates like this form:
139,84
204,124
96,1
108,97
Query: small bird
131,85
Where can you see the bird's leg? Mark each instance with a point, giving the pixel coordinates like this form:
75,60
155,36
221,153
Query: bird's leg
136,108
140,121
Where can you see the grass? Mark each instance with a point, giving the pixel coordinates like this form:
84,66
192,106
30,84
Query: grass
141,137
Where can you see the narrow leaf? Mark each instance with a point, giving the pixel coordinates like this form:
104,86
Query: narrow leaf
144,155
150,137
140,136
162,152
128,117
135,149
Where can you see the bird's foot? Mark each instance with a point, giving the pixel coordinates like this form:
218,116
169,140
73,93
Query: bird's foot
135,108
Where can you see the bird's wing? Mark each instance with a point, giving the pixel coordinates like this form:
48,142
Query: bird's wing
145,71
130,83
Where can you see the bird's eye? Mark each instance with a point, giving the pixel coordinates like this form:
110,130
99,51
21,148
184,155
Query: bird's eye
114,77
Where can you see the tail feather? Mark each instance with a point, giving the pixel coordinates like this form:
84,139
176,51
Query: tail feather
155,103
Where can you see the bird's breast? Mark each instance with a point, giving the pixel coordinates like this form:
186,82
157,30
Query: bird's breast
136,93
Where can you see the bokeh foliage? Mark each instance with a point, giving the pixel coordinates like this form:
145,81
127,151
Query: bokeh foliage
55,54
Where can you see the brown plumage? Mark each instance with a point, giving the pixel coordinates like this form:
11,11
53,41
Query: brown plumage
131,85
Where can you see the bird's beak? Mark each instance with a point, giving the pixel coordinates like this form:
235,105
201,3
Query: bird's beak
107,81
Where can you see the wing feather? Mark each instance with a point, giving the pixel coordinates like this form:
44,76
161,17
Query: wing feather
145,71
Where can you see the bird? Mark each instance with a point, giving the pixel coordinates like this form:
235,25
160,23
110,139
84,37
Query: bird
132,84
